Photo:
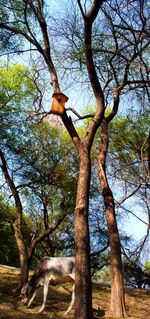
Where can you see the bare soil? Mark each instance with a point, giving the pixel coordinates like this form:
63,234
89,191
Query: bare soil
137,300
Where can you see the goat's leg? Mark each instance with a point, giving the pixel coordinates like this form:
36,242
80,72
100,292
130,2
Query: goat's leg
31,300
45,292
72,301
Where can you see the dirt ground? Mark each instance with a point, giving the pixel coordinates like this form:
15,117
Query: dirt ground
137,301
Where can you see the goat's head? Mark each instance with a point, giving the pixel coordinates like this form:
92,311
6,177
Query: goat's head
25,293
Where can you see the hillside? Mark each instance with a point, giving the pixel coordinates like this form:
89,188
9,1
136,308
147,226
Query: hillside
137,301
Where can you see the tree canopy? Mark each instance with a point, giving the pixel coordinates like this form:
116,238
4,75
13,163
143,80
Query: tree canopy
97,49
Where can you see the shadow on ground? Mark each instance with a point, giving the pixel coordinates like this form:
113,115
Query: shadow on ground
137,301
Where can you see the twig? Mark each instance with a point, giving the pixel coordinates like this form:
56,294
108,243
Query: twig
130,195
81,117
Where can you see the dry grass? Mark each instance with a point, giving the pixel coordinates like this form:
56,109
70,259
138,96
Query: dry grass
137,301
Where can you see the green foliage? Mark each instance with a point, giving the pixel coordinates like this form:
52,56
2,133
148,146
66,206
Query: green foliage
44,164
13,14
127,136
147,266
16,86
135,275
40,159
17,92
39,156
8,249
103,276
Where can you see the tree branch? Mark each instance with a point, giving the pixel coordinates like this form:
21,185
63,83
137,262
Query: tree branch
24,34
10,182
129,211
80,117
130,195
47,232
93,12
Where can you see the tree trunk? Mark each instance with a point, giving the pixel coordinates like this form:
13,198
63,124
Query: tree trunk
83,289
21,248
117,305
17,227
46,224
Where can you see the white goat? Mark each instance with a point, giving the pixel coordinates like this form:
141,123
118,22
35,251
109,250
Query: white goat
49,270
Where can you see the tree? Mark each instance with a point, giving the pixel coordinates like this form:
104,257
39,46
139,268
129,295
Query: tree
12,92
135,276
117,81
8,249
121,80
118,76
117,307
110,60
17,224
83,291
131,171
23,166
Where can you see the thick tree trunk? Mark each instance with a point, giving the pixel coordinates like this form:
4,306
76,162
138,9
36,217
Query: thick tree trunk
83,289
117,305
17,227
21,249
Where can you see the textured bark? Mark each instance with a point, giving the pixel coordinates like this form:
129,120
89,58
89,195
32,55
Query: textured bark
83,298
117,305
21,248
17,226
46,224
83,289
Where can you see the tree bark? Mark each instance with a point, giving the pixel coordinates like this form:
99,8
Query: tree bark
83,289
117,305
17,227
21,249
83,294
46,224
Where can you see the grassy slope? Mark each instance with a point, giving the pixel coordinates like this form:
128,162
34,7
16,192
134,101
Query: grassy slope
137,301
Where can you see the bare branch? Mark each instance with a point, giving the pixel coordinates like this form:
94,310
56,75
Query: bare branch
24,34
129,211
81,9
47,232
80,117
130,195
